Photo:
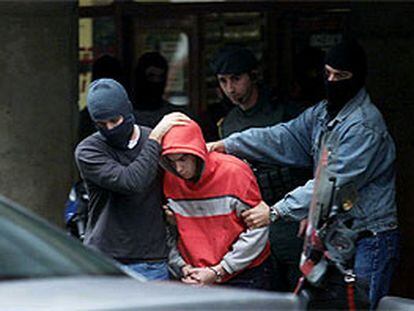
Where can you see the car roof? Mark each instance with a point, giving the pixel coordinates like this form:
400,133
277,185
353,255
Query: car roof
123,293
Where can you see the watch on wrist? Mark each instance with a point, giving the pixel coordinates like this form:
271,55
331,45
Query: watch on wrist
274,214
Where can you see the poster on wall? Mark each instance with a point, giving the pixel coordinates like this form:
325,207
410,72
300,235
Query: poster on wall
96,38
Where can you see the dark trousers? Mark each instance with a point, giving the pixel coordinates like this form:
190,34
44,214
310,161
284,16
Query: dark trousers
254,278
335,294
286,248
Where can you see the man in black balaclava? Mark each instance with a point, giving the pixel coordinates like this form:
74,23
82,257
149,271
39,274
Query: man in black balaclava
150,81
107,66
119,165
360,156
151,75
345,72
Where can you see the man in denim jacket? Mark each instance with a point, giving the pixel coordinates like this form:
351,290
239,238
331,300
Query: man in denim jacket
361,153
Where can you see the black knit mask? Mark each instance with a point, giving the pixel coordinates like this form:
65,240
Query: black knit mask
339,93
346,56
107,99
119,136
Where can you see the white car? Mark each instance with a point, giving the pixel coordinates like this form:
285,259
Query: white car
41,268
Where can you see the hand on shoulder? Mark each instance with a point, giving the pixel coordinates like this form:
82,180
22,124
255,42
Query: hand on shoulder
217,146
166,123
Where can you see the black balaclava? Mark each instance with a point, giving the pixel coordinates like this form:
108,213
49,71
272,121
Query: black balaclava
308,74
347,56
108,99
107,66
150,81
233,59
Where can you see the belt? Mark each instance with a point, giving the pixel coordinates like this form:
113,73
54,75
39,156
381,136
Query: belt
369,233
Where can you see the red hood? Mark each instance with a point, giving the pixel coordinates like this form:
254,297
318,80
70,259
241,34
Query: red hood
185,139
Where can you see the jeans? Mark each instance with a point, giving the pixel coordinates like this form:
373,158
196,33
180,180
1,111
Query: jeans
153,271
375,261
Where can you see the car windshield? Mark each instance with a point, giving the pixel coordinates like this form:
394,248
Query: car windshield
31,248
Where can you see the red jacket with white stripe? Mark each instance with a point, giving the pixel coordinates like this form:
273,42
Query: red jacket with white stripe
210,230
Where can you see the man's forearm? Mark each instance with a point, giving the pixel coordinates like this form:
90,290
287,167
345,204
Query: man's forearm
282,144
295,205
106,172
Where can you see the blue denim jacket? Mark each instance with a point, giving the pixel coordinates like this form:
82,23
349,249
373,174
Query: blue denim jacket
361,151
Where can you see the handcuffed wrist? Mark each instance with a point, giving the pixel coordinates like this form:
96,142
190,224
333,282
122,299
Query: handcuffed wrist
218,274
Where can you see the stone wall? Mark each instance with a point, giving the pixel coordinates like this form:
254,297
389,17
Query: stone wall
38,101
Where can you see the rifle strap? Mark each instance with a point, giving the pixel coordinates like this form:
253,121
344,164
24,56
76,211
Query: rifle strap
299,286
351,297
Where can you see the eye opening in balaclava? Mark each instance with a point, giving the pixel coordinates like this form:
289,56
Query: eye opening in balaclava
151,74
346,56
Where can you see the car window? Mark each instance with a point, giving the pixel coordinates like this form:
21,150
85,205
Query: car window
31,248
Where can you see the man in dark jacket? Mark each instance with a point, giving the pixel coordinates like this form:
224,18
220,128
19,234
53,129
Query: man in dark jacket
236,71
119,165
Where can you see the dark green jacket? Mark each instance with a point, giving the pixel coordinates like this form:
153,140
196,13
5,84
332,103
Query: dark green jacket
274,181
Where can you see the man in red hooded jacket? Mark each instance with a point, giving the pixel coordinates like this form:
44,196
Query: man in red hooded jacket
207,193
